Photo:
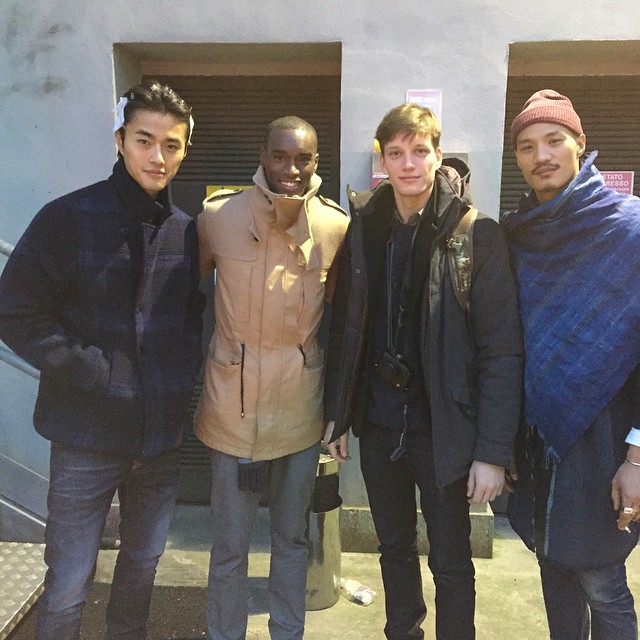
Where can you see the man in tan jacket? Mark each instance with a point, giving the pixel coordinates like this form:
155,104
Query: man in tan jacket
273,247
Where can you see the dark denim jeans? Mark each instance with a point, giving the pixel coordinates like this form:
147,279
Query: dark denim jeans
570,596
81,488
391,490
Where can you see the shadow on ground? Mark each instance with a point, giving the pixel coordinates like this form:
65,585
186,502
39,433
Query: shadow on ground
177,613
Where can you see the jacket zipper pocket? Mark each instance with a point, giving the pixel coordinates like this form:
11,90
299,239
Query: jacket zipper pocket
304,357
242,380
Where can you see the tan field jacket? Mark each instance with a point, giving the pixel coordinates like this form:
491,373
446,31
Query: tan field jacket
263,388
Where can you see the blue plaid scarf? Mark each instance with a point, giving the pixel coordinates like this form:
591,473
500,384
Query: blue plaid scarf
577,262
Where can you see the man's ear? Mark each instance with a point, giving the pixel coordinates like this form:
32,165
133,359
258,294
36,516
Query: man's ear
119,141
581,140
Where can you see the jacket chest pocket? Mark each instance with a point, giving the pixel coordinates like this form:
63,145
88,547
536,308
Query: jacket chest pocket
233,288
306,295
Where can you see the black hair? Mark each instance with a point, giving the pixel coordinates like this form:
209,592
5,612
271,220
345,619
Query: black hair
288,123
153,96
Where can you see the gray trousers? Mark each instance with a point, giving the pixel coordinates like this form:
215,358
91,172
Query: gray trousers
233,513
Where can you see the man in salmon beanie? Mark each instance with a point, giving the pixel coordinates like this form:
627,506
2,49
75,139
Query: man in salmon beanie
546,106
573,244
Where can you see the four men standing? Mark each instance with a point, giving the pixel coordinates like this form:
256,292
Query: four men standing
101,294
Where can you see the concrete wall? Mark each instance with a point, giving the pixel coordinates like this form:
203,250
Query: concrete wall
57,87
57,75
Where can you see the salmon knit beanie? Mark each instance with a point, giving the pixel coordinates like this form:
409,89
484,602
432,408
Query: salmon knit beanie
546,106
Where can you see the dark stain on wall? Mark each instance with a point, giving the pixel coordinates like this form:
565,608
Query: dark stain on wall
36,50
10,29
54,85
36,88
28,44
59,28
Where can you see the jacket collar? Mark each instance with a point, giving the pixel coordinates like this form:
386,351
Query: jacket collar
445,193
292,215
136,200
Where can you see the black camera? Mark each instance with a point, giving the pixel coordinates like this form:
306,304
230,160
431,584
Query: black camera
391,368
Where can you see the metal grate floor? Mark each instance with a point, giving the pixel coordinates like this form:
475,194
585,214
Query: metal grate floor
22,572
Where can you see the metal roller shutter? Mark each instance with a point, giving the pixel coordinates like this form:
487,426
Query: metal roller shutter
609,108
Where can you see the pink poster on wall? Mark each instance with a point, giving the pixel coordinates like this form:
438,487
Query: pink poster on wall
621,181
431,98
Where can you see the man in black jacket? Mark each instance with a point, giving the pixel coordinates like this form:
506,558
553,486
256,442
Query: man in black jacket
432,389
102,295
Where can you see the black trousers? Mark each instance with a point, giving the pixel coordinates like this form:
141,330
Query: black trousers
391,487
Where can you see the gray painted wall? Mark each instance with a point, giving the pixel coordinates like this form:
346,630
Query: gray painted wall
57,84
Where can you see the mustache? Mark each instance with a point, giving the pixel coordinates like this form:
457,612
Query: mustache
544,167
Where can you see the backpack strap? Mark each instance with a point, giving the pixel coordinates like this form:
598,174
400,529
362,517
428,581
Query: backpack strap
460,256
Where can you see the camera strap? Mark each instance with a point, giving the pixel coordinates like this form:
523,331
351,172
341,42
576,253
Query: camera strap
405,288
